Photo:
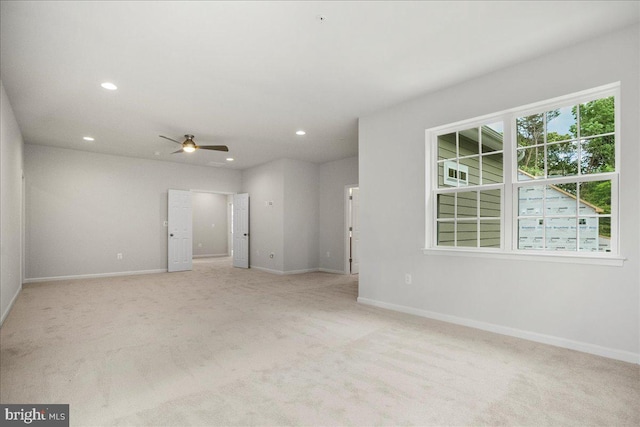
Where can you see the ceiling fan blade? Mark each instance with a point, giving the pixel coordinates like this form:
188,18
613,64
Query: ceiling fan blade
214,147
170,139
179,151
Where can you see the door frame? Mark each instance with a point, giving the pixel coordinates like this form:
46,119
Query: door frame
347,222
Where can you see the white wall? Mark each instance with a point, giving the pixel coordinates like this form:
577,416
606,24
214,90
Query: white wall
593,308
83,208
300,216
210,226
265,183
334,176
11,167
283,219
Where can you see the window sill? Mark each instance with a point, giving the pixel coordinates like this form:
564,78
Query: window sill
609,260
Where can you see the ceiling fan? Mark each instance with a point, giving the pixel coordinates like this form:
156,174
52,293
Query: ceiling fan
189,146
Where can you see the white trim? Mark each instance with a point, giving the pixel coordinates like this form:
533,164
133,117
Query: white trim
93,276
210,256
267,270
611,353
587,258
284,273
328,270
306,270
13,300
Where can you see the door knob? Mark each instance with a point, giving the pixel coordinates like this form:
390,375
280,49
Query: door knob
171,235
245,234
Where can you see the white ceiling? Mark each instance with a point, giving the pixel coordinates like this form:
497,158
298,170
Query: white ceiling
249,74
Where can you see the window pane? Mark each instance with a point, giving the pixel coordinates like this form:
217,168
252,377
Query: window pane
445,234
597,117
561,124
589,234
470,173
597,155
492,137
467,203
492,169
530,200
560,234
446,205
469,142
562,159
604,234
447,146
441,175
490,234
490,203
561,199
530,234
530,130
467,235
595,198
530,163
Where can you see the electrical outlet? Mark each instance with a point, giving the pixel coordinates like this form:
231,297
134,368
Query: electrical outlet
407,279
199,245
165,224
328,254
118,256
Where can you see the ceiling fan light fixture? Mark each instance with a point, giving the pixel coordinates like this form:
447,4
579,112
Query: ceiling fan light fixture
300,132
189,148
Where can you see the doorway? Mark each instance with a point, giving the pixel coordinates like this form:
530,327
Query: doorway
211,225
200,225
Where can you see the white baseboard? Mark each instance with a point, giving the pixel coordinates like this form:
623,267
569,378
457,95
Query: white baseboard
327,270
611,353
284,273
307,270
210,256
8,310
93,276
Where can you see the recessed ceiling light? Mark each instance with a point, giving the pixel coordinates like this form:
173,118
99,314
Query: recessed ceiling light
230,159
88,138
301,132
109,86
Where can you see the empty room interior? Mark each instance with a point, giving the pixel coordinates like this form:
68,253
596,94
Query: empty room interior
320,213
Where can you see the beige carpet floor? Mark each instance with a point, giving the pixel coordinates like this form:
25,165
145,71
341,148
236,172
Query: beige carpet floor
222,346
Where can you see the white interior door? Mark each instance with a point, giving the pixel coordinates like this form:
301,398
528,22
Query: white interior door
180,223
241,230
355,230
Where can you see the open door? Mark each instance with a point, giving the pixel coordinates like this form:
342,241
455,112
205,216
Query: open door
180,223
355,230
241,230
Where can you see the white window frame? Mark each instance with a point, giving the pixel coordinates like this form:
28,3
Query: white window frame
510,186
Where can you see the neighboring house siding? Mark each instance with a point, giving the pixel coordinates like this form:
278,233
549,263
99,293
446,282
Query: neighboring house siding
489,200
560,232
